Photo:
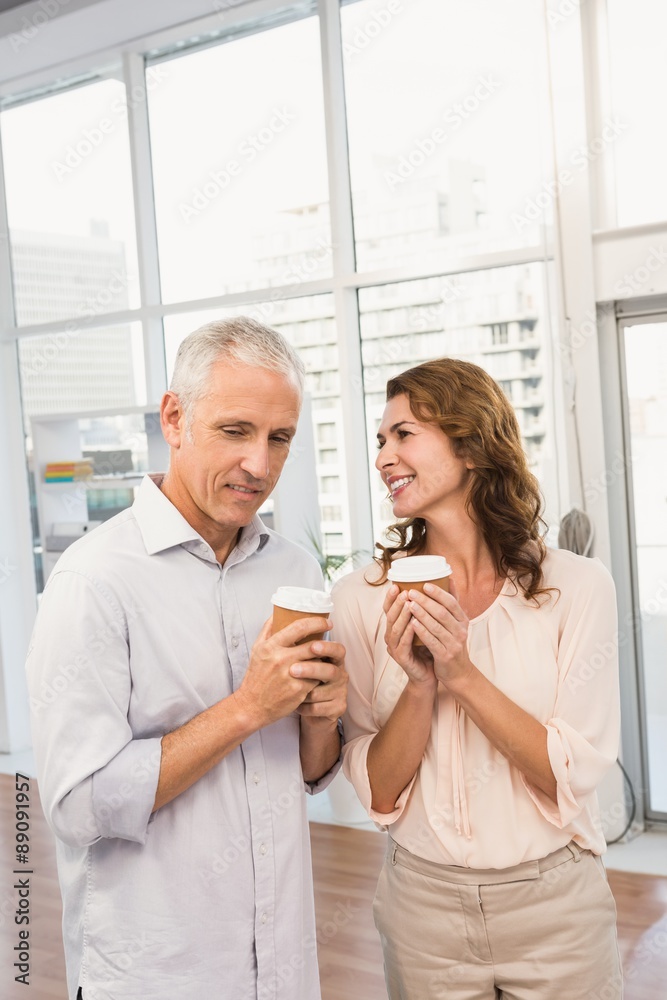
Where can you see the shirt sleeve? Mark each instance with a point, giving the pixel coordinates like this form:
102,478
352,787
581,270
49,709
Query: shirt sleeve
359,724
95,779
583,732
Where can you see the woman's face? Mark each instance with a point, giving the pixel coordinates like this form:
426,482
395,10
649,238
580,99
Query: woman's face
418,464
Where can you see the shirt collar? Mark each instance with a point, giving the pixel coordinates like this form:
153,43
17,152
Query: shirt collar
162,525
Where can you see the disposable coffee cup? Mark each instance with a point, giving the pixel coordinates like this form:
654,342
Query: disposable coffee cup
412,572
292,603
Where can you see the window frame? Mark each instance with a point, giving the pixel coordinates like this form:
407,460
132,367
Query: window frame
345,281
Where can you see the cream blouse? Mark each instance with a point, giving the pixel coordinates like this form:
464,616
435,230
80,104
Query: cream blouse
467,805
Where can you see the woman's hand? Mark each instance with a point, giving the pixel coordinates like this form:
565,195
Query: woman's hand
442,625
398,636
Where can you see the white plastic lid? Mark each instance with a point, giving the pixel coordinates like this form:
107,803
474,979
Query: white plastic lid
415,569
303,599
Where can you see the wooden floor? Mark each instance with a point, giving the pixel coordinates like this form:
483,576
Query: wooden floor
346,863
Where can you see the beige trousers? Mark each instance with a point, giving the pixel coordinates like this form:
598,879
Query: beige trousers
543,930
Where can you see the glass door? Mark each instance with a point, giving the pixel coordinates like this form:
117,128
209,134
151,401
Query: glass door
643,345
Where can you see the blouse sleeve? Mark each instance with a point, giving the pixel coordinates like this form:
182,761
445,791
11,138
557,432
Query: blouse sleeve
583,732
353,618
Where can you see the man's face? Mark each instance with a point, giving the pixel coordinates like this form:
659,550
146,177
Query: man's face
227,466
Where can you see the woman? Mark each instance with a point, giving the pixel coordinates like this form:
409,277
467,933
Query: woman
481,752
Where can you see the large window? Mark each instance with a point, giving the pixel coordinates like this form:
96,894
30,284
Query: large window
70,204
446,139
239,158
495,318
446,107
75,370
638,50
645,351
72,239
70,371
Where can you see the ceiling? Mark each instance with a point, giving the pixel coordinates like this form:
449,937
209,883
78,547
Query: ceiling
43,39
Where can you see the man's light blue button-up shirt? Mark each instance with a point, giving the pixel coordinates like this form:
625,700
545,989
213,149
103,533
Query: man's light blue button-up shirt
140,629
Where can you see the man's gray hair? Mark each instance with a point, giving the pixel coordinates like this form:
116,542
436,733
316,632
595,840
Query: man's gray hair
240,339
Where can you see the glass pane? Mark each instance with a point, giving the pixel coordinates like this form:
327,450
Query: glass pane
309,325
446,104
637,33
646,367
494,318
74,371
241,181
70,204
68,373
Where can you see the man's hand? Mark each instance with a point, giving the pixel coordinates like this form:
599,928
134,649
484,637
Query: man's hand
270,690
328,699
319,741
272,687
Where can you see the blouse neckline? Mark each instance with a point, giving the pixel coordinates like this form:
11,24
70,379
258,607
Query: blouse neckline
480,617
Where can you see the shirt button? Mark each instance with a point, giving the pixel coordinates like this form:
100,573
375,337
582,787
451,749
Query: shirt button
264,918
262,849
235,641
255,778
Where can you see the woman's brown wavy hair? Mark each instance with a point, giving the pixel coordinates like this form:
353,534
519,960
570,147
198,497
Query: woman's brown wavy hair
504,498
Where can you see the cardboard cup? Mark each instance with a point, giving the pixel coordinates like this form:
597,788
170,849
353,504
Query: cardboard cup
292,603
282,617
412,572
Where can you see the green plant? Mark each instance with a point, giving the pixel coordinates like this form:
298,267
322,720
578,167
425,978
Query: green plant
331,564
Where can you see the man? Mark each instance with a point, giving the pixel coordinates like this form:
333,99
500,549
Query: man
174,744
